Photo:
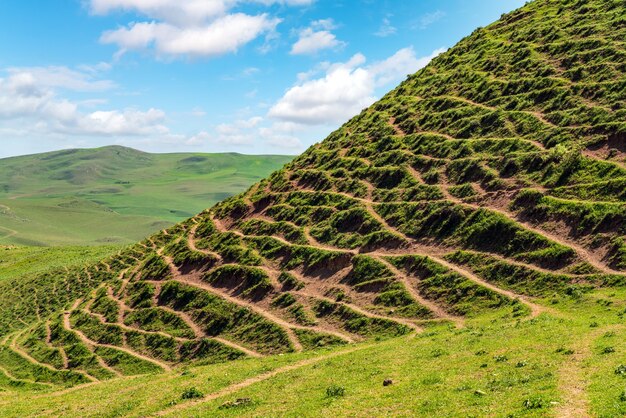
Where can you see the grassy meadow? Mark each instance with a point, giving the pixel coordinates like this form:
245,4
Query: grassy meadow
491,367
115,195
24,261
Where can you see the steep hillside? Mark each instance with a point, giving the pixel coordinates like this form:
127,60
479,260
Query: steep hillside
115,194
479,206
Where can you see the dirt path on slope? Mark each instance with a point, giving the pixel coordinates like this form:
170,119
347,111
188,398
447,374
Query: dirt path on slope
540,116
433,307
535,309
123,326
583,253
90,344
122,307
15,348
286,326
362,311
31,382
260,378
187,320
273,275
62,353
140,356
201,334
11,233
237,347
396,127
573,380
589,154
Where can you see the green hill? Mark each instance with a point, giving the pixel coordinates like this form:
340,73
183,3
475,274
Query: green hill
457,249
114,194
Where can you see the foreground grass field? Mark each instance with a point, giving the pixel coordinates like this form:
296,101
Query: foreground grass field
568,361
115,195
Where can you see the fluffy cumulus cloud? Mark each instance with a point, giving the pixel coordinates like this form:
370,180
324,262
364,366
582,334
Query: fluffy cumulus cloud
177,11
316,38
241,132
344,89
30,102
256,130
62,77
189,27
327,95
225,34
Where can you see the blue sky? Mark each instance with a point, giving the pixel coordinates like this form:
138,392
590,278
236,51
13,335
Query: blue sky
249,76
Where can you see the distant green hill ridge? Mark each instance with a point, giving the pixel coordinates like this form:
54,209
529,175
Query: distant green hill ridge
115,194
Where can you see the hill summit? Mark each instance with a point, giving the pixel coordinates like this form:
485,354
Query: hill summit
493,177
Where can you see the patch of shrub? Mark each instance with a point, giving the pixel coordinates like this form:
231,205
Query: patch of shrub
335,391
534,402
191,393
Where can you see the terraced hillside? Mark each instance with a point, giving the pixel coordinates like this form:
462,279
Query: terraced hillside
483,186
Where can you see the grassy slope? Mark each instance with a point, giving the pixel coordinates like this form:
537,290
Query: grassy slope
22,261
114,194
492,367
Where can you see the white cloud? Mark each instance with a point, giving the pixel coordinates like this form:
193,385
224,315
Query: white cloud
429,18
240,132
176,11
63,77
250,71
309,107
182,12
282,135
345,89
386,29
198,112
324,24
115,122
29,101
188,27
399,65
225,34
316,38
285,2
250,133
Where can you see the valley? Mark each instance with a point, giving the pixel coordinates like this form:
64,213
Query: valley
114,195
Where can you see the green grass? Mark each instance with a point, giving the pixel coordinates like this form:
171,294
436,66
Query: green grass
115,194
24,261
489,368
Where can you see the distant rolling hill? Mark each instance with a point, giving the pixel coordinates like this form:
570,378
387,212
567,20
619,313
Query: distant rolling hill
115,194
